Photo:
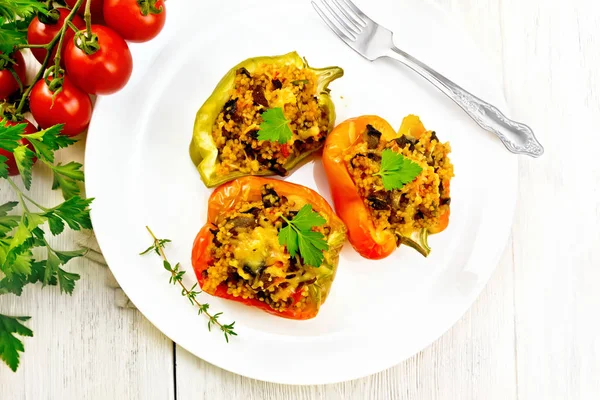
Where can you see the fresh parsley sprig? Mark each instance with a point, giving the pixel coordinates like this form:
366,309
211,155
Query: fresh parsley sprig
12,34
11,10
397,170
10,345
15,16
176,278
21,228
275,126
298,236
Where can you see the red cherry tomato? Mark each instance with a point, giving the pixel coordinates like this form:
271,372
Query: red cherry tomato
8,83
104,72
41,33
127,19
10,162
95,9
72,107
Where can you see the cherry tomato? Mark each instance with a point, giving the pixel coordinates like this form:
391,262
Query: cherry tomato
95,9
127,19
104,72
8,83
10,162
41,33
72,107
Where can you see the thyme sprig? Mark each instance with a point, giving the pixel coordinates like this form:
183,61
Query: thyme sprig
176,278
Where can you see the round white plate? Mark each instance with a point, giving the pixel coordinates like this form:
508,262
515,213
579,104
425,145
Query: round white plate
379,312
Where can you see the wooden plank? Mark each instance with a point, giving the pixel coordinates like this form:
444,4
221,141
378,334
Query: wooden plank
554,67
85,347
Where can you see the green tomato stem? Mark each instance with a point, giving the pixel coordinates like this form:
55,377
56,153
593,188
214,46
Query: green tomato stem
87,16
73,26
31,46
49,47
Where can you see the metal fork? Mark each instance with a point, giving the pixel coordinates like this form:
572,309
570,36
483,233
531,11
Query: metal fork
373,41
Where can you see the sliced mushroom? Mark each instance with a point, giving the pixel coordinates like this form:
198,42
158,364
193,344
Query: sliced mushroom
399,200
244,221
258,95
373,137
244,71
230,107
374,157
277,83
404,141
379,201
270,198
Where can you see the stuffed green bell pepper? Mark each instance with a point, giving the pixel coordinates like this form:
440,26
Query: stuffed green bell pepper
266,115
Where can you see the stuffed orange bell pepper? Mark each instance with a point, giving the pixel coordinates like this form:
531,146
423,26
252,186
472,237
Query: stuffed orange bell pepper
269,244
390,188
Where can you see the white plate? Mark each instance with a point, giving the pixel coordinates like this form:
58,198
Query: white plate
378,313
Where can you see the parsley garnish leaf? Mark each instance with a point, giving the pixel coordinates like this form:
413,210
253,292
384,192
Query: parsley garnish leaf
10,346
24,161
75,212
38,271
11,35
289,238
66,281
275,127
299,236
3,167
13,284
8,222
11,10
397,170
47,141
66,178
9,135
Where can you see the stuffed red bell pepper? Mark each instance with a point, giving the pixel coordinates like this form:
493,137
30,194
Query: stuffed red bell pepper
390,188
269,244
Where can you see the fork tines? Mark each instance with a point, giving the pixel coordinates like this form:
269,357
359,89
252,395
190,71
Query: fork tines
342,17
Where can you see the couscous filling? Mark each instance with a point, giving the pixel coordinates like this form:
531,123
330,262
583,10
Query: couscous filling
417,205
235,130
248,258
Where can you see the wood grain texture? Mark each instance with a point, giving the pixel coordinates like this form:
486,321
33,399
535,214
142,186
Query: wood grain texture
534,333
552,52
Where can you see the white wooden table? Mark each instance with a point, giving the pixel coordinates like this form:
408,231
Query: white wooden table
534,333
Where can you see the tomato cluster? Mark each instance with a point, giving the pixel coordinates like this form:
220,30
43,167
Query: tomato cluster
94,59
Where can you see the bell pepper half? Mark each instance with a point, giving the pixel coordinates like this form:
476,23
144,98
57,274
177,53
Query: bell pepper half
204,152
253,267
369,240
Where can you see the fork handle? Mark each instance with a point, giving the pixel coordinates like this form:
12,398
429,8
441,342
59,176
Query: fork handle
517,137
